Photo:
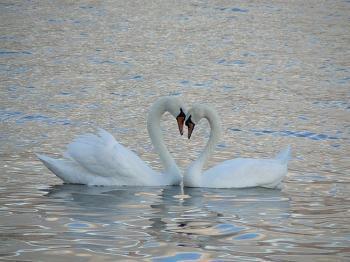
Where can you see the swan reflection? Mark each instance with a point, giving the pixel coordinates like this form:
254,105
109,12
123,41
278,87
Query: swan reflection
159,209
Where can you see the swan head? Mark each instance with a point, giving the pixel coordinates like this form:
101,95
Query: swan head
177,108
193,116
199,111
174,105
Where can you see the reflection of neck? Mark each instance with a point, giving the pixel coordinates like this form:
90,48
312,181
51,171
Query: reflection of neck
214,123
154,131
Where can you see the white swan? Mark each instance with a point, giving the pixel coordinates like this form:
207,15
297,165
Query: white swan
100,160
234,173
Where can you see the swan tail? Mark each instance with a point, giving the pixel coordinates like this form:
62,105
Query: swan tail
51,164
106,137
66,170
285,155
47,161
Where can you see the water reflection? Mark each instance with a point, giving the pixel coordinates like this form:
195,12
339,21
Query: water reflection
148,218
171,222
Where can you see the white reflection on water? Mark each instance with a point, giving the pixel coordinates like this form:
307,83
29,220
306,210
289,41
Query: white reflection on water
277,73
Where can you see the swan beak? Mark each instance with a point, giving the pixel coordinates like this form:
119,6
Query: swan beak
190,129
180,121
190,125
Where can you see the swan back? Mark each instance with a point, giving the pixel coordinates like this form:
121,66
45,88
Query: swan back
244,172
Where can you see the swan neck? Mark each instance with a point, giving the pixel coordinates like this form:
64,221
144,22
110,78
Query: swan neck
154,131
214,124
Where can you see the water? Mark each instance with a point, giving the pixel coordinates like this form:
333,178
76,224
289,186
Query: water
278,73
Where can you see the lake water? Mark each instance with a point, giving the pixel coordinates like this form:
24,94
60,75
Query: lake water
277,72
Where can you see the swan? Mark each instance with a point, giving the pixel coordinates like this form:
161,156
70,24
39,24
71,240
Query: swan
98,159
234,173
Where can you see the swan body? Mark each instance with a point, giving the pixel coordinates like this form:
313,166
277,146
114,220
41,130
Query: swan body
98,159
234,173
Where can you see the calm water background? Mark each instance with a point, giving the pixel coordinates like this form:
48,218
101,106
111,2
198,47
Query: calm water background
278,73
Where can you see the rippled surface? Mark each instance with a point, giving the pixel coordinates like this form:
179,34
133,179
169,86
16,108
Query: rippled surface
278,74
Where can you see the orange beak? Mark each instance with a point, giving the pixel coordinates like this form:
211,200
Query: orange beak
180,121
190,125
190,129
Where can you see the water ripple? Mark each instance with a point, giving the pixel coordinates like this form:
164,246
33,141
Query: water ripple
42,118
4,52
301,134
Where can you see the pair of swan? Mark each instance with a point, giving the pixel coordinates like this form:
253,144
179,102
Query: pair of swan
98,159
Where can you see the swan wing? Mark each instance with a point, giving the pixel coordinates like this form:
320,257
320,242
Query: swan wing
102,155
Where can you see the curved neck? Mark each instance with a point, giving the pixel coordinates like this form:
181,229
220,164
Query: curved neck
154,131
215,132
